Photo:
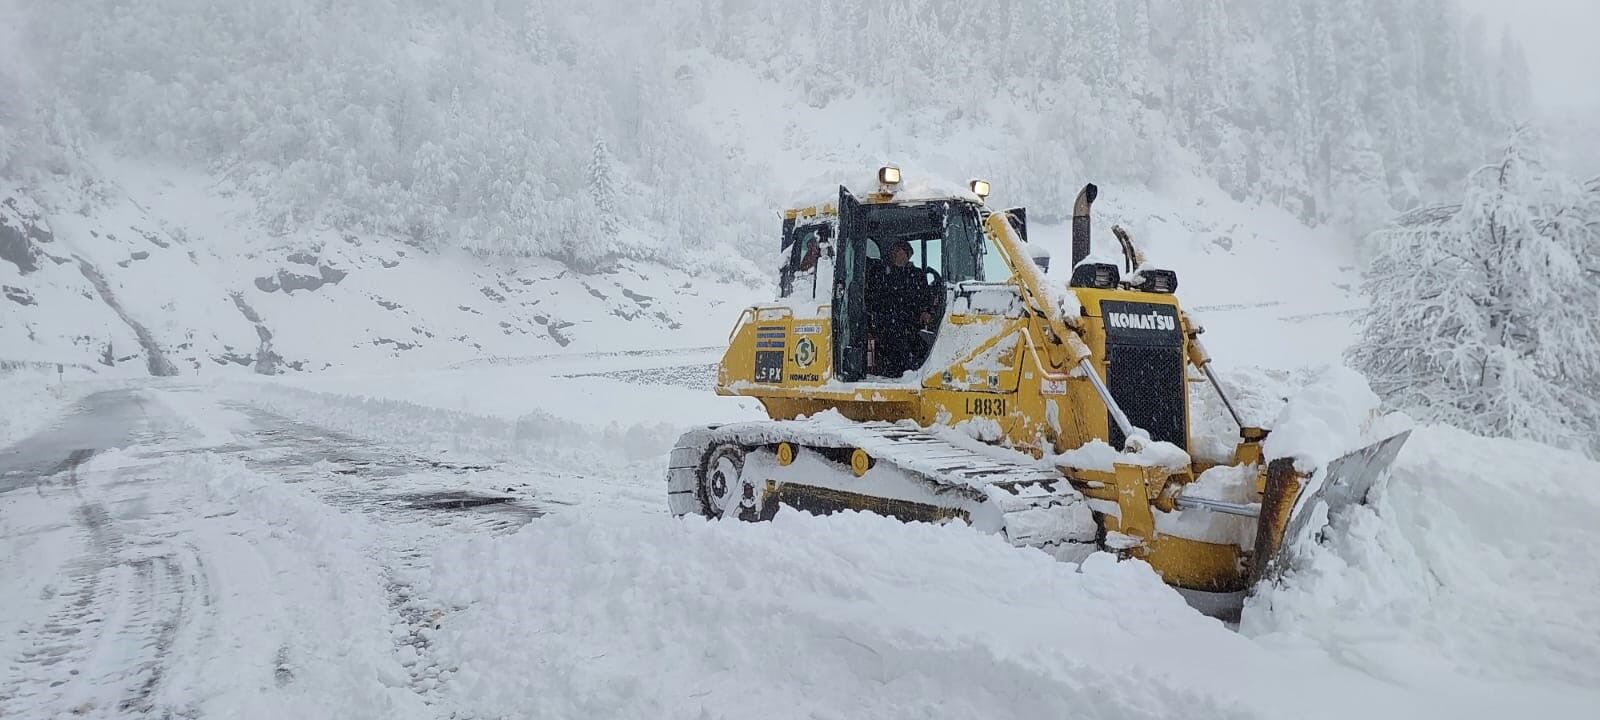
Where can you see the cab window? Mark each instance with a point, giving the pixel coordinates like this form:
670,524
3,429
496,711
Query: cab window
962,245
808,255
995,267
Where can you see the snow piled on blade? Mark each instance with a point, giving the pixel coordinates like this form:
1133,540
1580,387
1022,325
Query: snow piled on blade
1257,393
1329,417
1474,558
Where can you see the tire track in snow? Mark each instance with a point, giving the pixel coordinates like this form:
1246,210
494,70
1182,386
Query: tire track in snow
114,627
134,614
414,502
62,638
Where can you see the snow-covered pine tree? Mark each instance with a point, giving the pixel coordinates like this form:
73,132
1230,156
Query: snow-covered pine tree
603,191
1484,315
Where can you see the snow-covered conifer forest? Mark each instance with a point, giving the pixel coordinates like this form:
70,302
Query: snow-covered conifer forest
471,124
344,348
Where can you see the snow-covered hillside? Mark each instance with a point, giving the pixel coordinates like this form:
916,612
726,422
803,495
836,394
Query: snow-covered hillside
168,272
170,275
198,170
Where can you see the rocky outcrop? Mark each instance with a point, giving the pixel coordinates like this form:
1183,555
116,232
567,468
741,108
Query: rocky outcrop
154,358
290,281
22,228
266,361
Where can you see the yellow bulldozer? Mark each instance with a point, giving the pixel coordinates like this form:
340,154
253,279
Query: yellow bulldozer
917,364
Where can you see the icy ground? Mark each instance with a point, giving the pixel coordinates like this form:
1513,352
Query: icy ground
493,542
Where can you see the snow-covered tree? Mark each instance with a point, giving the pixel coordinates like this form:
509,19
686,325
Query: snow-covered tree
1484,314
602,191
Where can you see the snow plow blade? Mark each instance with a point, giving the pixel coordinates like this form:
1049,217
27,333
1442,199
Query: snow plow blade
1295,508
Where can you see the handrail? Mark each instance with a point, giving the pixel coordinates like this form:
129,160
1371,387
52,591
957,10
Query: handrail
754,312
1035,294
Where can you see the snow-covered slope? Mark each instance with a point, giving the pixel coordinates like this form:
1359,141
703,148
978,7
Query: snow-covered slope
162,271
167,271
201,173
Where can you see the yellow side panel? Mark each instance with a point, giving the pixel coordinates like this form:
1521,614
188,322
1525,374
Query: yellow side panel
771,349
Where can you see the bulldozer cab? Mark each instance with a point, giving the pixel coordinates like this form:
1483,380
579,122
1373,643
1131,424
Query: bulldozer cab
896,266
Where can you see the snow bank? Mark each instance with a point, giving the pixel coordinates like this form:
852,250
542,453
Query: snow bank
1475,557
31,400
848,616
592,614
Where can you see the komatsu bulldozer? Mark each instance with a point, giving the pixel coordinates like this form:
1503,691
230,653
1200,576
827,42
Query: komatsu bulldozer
918,364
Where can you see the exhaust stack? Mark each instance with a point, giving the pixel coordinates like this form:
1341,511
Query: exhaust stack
1080,223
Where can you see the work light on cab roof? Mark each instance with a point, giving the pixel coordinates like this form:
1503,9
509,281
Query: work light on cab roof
888,178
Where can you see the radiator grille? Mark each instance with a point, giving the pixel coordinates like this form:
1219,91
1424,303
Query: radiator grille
1147,382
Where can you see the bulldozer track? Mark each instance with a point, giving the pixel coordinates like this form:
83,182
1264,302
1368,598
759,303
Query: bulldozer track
945,464
953,464
1034,504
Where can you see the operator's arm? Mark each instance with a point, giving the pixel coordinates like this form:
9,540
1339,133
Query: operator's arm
930,302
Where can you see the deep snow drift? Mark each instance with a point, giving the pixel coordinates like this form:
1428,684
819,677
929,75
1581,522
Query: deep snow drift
34,397
855,615
1473,560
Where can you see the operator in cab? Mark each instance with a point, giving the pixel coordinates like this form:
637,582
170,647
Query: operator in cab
902,306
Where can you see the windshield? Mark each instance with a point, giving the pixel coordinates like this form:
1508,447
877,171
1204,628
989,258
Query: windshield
944,236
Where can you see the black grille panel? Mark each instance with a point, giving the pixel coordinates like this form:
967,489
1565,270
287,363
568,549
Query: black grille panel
1147,382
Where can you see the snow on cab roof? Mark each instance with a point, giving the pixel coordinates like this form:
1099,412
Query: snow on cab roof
915,187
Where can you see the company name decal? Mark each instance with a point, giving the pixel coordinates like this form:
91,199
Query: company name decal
1142,321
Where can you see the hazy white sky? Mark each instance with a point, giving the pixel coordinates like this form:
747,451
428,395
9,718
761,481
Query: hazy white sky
1562,40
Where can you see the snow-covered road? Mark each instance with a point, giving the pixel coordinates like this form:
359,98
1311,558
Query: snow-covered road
168,554
494,543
